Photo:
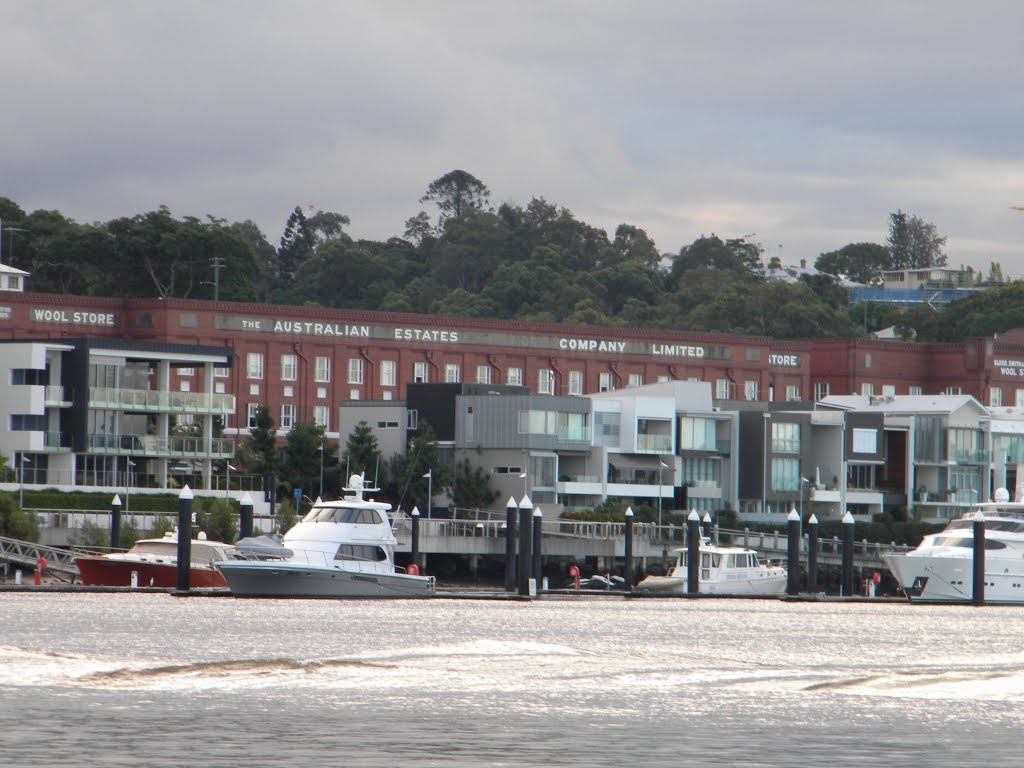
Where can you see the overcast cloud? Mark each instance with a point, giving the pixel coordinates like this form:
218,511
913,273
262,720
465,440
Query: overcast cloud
803,124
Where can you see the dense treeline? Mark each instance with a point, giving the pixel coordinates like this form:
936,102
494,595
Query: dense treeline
536,262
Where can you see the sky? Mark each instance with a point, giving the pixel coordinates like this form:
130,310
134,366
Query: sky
800,125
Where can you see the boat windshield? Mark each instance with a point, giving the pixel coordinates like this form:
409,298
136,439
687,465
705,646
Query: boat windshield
1013,526
361,552
965,541
344,515
163,548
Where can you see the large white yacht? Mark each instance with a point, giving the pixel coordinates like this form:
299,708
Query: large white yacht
941,569
341,548
723,571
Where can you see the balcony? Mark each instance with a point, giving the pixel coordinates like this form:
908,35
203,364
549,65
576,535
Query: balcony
158,401
579,485
56,397
969,456
654,444
150,445
574,434
57,442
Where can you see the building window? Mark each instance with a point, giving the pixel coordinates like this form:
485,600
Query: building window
219,387
636,380
867,389
721,389
786,475
287,416
865,441
867,359
186,371
386,424
353,394
387,373
254,365
914,391
185,386
750,390
538,422
289,367
575,382
254,389
452,373
322,370
322,416
321,393
355,370
954,390
785,437
792,392
995,397
420,373
822,390
697,434
888,390
251,410
753,355
545,381
483,374
289,391
604,382
514,376
221,373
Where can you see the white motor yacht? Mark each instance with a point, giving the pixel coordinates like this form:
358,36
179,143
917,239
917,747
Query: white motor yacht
341,548
941,569
723,571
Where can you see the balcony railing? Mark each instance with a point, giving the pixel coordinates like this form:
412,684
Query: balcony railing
970,456
150,445
654,443
575,434
160,401
56,396
57,441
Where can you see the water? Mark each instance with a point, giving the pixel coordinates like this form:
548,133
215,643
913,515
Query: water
154,680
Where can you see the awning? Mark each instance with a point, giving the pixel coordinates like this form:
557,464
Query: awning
1005,427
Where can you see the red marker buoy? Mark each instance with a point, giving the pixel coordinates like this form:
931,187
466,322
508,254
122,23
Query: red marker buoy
574,571
40,567
413,569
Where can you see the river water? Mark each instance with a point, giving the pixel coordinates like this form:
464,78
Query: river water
158,680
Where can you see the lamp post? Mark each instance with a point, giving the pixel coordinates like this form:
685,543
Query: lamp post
21,494
128,485
227,479
764,465
661,535
430,491
321,467
803,482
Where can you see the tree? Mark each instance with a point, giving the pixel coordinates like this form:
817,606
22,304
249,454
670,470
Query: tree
859,262
455,193
217,520
362,453
914,243
296,246
302,456
16,523
636,246
471,486
735,255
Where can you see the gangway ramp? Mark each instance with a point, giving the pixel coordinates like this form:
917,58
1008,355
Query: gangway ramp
27,553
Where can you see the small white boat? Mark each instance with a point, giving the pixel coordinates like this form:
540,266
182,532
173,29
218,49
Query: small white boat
941,569
723,571
341,548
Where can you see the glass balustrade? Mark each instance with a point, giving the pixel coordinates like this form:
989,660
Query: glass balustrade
151,445
160,401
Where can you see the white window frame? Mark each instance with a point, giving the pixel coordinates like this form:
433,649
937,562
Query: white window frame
604,382
452,373
421,373
250,414
867,388
388,371
322,416
636,380
721,389
545,381
254,365
995,397
575,382
287,417
514,376
289,367
356,370
483,374
751,389
322,369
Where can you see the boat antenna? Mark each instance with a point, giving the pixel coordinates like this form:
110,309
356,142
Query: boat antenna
376,472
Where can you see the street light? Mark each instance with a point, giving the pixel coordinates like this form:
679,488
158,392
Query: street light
803,481
664,548
21,501
127,484
227,479
430,490
321,467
